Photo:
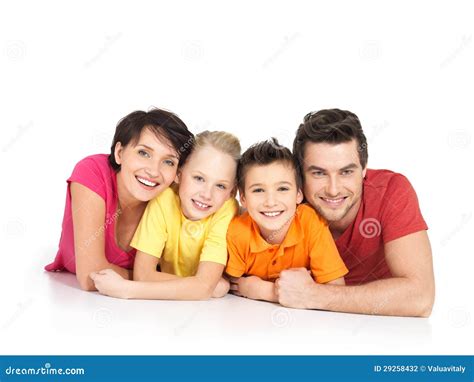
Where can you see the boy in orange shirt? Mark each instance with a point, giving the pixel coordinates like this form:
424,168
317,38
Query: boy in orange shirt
276,233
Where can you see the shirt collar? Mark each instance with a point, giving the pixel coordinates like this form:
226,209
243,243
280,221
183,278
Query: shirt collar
294,235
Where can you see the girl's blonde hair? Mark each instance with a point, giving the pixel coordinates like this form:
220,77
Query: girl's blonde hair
220,140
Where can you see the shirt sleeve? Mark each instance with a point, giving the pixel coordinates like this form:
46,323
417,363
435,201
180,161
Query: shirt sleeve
236,264
326,263
88,173
401,214
215,247
151,234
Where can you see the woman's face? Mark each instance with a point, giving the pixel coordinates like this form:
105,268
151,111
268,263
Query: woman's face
206,181
147,168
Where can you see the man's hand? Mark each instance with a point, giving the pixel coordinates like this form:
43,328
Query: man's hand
110,283
294,288
246,286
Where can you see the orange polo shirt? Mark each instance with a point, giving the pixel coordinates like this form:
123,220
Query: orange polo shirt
308,243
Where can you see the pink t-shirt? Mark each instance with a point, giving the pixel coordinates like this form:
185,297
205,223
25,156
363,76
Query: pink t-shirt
95,173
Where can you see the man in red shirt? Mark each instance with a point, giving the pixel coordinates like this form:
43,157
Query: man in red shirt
374,218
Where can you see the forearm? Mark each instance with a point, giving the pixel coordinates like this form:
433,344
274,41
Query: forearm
266,291
396,296
153,276
86,282
185,288
125,273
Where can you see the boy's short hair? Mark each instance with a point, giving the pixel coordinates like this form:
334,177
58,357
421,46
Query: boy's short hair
265,153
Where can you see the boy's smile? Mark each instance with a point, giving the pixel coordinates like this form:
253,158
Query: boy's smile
271,196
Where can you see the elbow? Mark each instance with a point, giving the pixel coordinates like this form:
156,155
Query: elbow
204,294
425,302
427,305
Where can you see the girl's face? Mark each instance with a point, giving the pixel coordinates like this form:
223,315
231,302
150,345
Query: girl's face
206,181
147,168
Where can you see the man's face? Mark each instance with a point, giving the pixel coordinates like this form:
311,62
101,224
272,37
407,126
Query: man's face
333,179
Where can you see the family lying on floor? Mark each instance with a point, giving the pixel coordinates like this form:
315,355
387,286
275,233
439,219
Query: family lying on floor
157,218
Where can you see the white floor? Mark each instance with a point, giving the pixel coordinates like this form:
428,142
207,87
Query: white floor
55,317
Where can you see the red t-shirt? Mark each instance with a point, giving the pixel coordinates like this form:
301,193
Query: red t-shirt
389,210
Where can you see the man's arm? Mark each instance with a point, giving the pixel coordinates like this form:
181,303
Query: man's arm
410,291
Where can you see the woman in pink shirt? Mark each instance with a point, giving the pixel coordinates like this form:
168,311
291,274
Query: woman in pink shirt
107,194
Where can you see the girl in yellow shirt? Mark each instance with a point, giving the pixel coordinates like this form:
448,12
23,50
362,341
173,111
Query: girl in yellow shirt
183,230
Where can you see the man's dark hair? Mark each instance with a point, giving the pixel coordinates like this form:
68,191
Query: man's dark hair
165,124
265,153
330,126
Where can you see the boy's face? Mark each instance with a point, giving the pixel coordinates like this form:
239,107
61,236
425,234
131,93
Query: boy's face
271,195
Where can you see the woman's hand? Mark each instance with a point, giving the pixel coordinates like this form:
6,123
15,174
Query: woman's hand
111,284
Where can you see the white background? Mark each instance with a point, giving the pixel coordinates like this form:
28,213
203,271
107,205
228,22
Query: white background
69,71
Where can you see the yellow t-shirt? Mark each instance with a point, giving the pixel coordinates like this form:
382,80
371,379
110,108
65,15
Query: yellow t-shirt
180,243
